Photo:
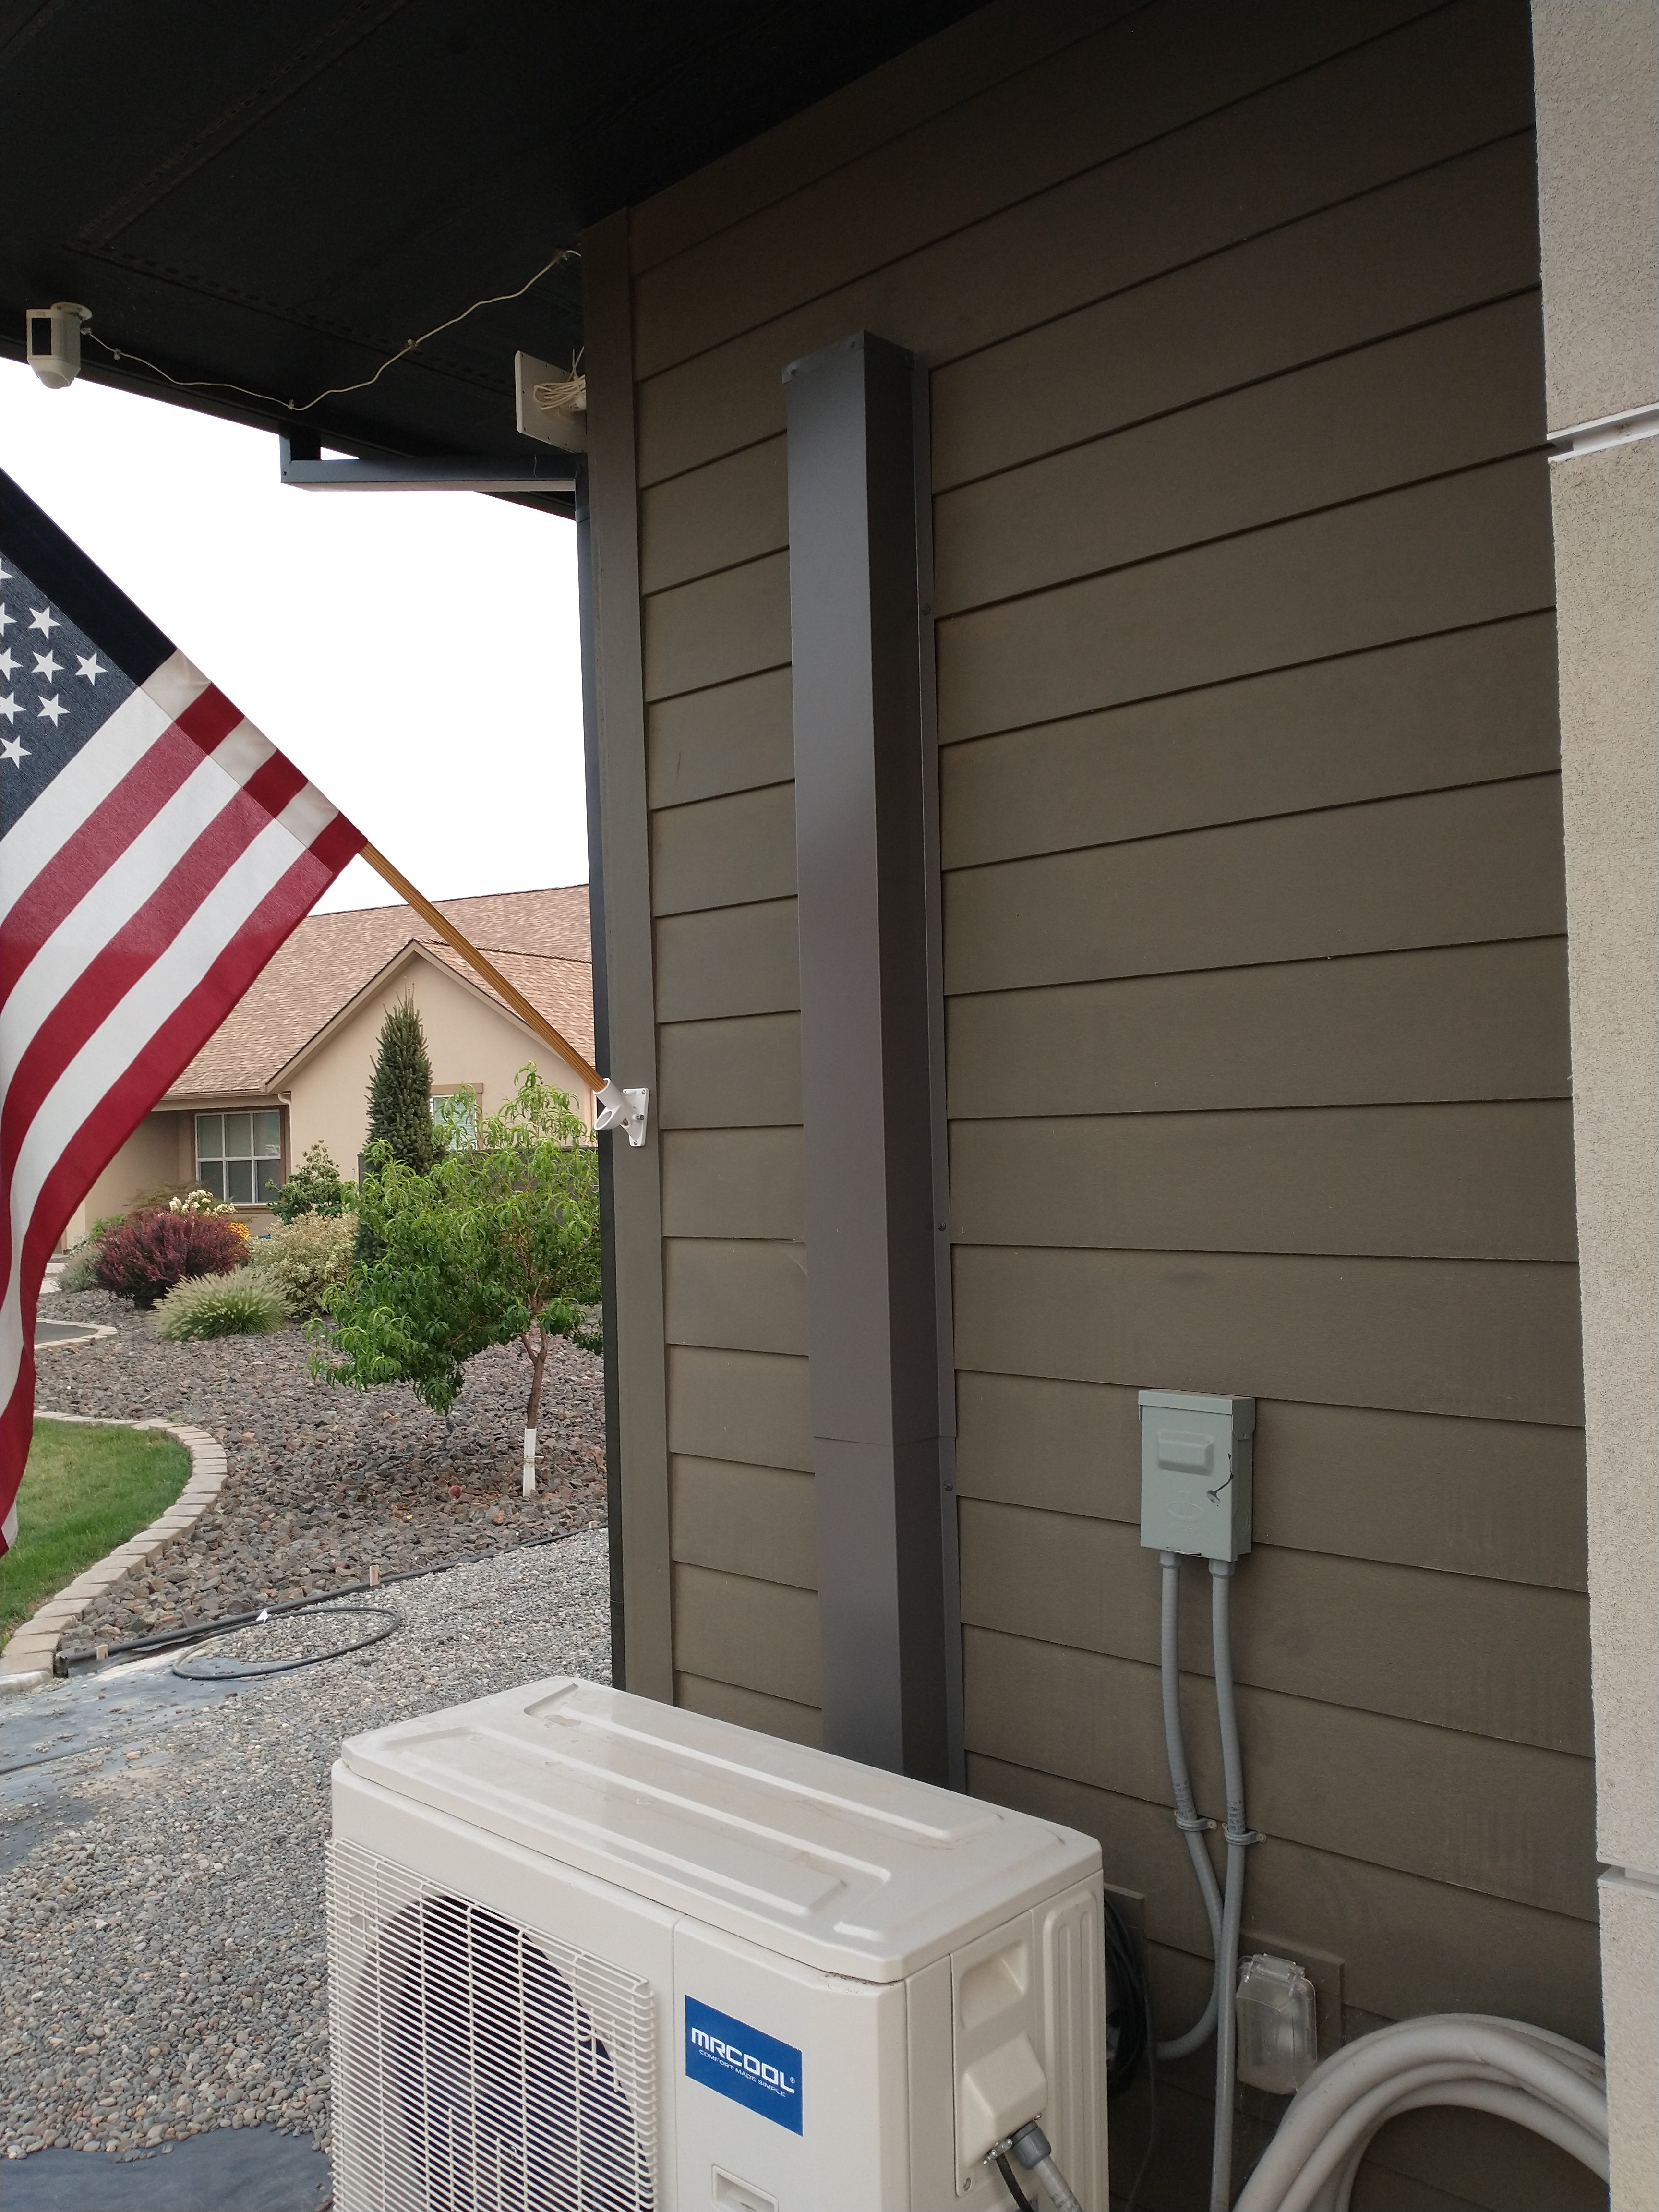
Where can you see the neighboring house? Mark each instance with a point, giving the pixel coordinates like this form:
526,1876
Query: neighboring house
291,1065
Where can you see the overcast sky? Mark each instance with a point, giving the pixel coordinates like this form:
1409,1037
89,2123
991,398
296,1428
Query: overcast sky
416,653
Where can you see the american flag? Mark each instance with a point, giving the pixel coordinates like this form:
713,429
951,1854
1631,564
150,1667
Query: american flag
154,851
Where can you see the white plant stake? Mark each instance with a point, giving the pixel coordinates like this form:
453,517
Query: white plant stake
530,1462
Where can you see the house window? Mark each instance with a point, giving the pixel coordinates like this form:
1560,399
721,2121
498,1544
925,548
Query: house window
238,1157
455,1118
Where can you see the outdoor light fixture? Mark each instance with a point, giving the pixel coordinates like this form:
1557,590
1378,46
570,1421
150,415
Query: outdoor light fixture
52,342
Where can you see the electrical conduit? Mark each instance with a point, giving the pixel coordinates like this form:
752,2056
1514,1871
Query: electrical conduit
1224,1910
1186,1813
1239,1837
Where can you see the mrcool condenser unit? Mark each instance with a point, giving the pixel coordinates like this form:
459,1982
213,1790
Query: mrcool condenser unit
593,1954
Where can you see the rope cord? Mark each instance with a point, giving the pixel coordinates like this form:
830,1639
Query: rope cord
340,390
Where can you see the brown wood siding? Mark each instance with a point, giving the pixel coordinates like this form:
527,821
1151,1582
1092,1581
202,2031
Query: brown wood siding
1255,976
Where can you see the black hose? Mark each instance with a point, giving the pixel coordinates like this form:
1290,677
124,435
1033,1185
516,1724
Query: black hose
1128,2006
1022,2202
206,1669
1152,2128
65,1663
1131,2041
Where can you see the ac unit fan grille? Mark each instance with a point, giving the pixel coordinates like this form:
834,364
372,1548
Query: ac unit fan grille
479,2066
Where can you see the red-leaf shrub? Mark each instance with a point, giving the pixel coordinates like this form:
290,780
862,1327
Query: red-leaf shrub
146,1255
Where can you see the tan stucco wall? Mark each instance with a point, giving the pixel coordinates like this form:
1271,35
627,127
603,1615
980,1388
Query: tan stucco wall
1598,192
470,1040
1597,76
157,1151
1606,525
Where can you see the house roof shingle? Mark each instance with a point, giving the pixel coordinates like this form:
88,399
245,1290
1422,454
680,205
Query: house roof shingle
538,939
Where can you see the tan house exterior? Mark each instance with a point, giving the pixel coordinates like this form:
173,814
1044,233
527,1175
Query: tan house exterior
291,1066
1119,554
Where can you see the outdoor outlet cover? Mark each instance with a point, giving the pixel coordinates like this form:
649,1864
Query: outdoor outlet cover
1197,1457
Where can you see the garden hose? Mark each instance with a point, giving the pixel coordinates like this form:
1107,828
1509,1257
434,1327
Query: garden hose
205,1668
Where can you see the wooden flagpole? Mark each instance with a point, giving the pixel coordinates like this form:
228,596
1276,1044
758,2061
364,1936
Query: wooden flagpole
531,1017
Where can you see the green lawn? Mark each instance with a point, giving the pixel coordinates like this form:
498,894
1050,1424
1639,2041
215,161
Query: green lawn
85,1491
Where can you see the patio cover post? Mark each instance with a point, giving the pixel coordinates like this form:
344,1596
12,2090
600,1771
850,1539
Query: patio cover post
875,1231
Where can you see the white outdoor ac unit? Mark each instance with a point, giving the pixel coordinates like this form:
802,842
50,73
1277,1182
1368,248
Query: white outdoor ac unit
593,1954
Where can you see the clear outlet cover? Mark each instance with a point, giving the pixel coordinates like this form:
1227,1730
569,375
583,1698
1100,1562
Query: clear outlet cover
1278,2025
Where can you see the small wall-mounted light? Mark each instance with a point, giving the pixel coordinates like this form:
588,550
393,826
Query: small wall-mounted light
52,342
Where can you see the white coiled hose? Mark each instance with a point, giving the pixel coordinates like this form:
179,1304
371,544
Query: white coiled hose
1539,2081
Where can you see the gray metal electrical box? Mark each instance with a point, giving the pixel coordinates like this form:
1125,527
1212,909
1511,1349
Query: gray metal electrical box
1196,1456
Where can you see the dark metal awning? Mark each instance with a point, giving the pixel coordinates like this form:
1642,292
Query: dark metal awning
278,197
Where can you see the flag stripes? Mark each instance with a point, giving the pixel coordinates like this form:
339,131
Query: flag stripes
154,851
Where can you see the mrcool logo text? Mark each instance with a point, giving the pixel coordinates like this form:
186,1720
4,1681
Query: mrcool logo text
741,2063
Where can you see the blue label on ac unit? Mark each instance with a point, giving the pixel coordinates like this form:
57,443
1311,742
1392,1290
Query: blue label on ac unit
738,2060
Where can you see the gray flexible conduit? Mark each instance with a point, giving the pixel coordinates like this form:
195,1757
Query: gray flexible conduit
1239,1839
1186,1815
1224,1909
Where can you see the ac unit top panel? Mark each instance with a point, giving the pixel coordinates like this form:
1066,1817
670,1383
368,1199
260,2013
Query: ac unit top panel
836,1865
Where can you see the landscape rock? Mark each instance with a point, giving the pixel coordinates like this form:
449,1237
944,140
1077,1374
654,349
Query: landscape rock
325,1483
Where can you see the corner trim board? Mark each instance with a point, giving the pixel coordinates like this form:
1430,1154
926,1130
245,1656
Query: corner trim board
636,1351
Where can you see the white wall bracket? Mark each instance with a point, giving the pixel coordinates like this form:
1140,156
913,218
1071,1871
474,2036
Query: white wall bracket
623,1109
1607,430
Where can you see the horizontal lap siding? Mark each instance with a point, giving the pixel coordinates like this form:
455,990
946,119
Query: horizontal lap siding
1432,90
1503,1498
1464,707
1257,1053
1463,1022
1488,1182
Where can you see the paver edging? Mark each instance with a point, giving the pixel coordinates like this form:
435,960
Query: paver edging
34,1644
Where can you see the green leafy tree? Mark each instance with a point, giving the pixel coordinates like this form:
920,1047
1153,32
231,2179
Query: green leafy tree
314,1186
492,1242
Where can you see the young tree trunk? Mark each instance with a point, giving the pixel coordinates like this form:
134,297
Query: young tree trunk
538,1350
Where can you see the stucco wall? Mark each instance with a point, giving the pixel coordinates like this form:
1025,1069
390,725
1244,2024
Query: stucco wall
157,1151
1597,76
470,1040
1598,193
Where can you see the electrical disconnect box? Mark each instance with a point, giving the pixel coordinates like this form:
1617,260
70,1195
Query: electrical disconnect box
1196,1465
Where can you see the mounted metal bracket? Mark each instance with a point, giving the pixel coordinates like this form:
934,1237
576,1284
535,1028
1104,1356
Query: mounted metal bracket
1607,430
623,1109
302,465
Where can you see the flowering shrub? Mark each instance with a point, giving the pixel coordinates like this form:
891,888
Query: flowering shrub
308,1260
148,1254
203,1205
314,1186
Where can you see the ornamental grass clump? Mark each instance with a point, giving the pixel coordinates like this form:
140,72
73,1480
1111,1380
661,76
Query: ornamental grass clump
242,1304
143,1258
308,1260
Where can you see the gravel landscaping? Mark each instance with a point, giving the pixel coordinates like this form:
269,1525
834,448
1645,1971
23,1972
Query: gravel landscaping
163,1927
324,1482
